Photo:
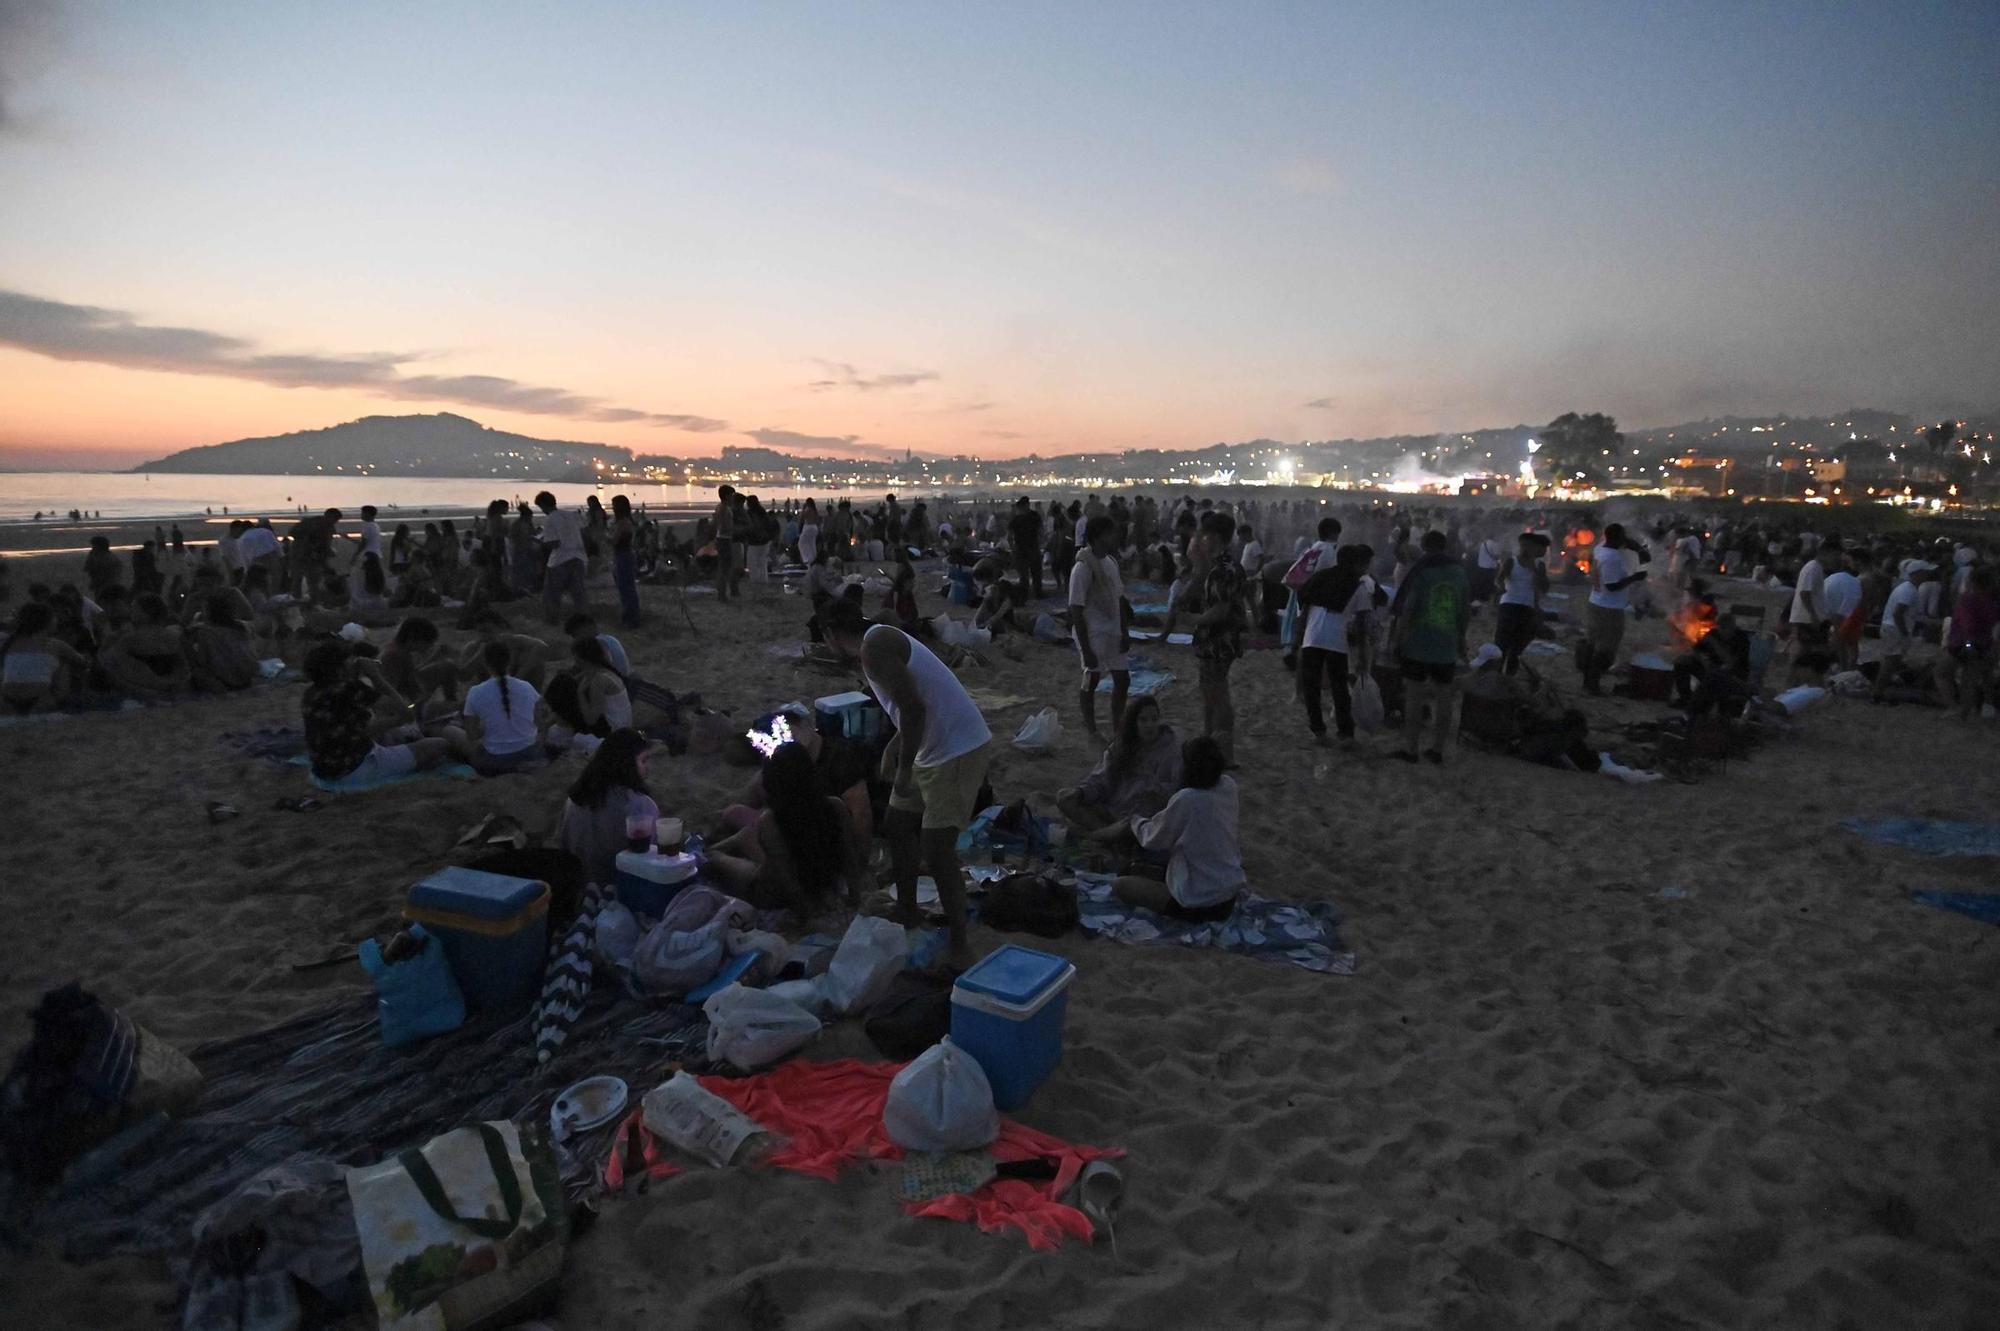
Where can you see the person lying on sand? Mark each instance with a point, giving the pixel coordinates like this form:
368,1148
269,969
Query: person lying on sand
1197,832
1136,776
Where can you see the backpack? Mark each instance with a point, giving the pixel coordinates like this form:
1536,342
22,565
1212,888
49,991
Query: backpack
1302,568
914,1015
1032,904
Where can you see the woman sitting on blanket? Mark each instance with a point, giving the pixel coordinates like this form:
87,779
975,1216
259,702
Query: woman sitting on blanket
1137,774
801,853
840,769
589,698
507,709
147,660
610,790
1197,830
221,656
421,670
39,672
344,732
1000,598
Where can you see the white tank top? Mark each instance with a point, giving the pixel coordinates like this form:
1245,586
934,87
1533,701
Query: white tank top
952,723
1520,585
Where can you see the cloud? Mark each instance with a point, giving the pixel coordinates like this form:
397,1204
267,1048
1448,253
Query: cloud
27,30
62,331
821,445
1313,177
843,375
1001,434
1324,404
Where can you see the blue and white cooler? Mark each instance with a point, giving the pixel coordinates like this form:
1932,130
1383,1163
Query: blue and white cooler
1007,1012
647,881
495,931
853,716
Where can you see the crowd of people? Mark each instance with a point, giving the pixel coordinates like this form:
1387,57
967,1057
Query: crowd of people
1371,604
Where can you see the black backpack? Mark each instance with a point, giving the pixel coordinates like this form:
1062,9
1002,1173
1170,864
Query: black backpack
914,1015
1030,904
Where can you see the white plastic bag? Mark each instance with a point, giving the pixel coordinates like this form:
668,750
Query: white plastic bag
870,953
617,934
954,634
806,993
941,1102
1368,709
673,962
1039,732
702,1123
753,1028
1796,700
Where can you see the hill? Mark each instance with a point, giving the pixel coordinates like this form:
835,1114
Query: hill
440,445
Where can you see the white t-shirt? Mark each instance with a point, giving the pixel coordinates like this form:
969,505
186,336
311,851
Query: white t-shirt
1327,629
1082,523
255,544
1842,594
1252,558
371,539
1489,553
615,650
1096,585
1520,588
1611,567
1198,829
509,728
1812,578
561,530
1905,597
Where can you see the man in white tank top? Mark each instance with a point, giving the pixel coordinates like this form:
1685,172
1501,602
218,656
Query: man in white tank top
939,757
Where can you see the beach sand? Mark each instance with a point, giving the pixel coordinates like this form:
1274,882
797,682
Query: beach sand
1552,1094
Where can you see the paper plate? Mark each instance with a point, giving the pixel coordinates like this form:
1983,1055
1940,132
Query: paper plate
591,1103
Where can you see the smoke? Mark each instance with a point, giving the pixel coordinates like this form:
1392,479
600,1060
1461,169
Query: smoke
27,35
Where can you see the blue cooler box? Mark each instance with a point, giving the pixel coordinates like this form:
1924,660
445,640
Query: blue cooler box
855,716
1007,1012
495,932
647,882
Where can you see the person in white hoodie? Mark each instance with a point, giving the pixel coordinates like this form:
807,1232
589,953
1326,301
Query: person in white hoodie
1197,833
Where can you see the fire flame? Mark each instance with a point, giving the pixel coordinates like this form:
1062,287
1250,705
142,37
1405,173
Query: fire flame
1692,622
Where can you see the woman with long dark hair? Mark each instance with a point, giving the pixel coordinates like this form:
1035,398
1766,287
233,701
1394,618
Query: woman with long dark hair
608,794
1137,774
801,853
754,531
625,560
510,733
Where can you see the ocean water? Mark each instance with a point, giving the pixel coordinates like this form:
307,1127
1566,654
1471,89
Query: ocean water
149,495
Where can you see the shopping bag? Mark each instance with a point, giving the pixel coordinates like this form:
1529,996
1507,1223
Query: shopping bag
1368,709
753,1028
1040,732
941,1101
415,998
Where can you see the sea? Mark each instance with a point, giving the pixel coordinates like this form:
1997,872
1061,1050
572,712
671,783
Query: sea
126,495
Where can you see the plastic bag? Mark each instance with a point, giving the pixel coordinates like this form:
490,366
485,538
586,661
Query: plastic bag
691,1119
870,953
1369,712
1796,700
941,1102
1039,732
753,1028
806,993
954,634
771,949
617,934
416,998
673,962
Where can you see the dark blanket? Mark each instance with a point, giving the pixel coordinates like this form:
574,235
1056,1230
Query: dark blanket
323,1085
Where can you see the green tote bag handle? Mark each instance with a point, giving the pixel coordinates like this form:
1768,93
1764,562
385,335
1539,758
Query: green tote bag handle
428,1187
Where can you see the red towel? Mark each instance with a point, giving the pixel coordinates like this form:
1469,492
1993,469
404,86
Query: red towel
831,1114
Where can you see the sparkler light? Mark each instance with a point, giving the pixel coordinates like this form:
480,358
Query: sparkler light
767,744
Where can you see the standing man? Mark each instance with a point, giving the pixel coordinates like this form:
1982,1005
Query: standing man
1427,627
1610,576
1215,588
567,562
1024,530
1097,622
371,538
725,542
1811,628
938,757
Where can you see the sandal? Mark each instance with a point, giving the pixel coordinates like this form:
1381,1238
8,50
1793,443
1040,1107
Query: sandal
1100,1194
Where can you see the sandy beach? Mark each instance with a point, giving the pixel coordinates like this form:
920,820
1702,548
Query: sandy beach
1661,1056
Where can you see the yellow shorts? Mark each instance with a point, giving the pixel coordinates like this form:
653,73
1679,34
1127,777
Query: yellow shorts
945,794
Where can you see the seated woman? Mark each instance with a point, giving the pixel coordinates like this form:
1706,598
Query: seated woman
221,656
343,729
146,661
1197,830
610,790
824,585
1138,773
800,854
368,594
420,669
901,602
506,708
39,672
589,698
1000,599
840,769
527,656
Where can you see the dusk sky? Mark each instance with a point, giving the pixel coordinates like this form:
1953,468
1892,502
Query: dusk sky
994,228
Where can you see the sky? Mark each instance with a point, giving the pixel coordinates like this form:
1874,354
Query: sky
991,229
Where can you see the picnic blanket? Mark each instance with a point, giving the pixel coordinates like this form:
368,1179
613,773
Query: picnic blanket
1929,836
1981,906
349,786
280,744
323,1085
1143,682
1303,934
830,1116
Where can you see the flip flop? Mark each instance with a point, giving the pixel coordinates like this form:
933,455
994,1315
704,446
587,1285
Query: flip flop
1100,1194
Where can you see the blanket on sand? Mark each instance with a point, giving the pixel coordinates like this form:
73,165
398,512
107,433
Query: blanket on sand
1929,836
1981,906
1304,934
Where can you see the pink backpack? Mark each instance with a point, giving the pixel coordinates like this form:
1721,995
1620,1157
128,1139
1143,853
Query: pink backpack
1302,568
